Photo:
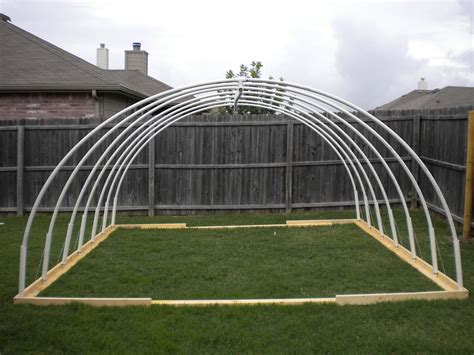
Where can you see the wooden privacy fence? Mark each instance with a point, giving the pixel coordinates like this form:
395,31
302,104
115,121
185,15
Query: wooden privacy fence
224,162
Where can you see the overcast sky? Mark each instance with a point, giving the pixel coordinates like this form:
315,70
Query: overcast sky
368,52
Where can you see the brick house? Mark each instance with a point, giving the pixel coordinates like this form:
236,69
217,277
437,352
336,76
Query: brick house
40,80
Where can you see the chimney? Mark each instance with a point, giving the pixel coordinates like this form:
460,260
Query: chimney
103,57
422,84
136,59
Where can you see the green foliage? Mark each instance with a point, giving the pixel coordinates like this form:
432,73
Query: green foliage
253,71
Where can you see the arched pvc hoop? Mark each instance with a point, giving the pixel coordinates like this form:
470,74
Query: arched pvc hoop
144,120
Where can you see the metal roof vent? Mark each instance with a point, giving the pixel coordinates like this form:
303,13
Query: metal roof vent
5,18
136,46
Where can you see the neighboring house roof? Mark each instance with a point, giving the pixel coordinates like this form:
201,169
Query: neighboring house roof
149,86
449,96
29,63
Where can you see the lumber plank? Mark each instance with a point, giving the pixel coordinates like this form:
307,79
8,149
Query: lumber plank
441,279
57,271
240,226
451,290
365,299
273,301
153,226
98,302
319,222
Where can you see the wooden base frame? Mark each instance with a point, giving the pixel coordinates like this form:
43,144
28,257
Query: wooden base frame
449,286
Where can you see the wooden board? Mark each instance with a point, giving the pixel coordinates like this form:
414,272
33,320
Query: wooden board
39,285
318,222
422,266
273,301
289,223
228,161
356,299
98,302
152,226
451,290
372,298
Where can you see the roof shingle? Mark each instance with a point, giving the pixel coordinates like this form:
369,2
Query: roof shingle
449,96
29,63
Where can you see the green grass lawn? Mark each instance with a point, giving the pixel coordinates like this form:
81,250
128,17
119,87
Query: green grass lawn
239,263
415,326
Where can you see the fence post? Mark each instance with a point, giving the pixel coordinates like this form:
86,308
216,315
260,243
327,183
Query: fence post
466,232
151,178
20,168
289,165
414,165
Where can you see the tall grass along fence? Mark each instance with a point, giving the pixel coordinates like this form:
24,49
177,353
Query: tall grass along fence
234,162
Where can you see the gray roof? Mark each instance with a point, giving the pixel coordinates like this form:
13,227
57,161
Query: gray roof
146,83
449,96
29,63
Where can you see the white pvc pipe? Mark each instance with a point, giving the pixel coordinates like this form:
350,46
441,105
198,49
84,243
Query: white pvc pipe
407,170
143,143
49,235
376,205
401,162
296,89
114,153
165,127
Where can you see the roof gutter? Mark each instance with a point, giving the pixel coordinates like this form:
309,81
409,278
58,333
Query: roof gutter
29,89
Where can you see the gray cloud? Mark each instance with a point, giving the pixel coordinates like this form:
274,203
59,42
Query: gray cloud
334,46
467,7
371,63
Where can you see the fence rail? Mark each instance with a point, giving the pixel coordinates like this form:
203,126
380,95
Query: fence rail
237,162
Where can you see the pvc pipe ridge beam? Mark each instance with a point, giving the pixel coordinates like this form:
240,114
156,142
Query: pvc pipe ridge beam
239,94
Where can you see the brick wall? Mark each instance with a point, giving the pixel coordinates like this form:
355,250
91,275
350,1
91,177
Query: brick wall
110,104
46,105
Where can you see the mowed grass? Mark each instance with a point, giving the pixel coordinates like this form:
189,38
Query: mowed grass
407,327
239,263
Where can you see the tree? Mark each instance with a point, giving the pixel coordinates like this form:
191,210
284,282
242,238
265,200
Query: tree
255,72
